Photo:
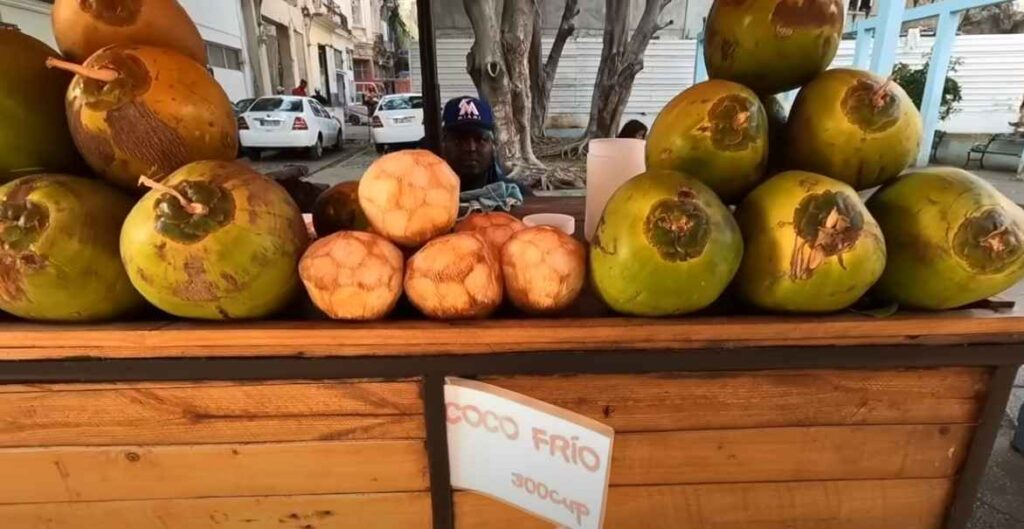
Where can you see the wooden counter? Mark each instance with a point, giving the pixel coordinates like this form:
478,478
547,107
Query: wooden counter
721,422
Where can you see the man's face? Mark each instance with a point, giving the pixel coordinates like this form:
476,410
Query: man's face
468,150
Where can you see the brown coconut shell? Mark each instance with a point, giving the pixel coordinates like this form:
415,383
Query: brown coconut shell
83,27
161,111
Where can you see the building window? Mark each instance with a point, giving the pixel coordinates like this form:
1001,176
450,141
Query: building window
362,70
339,60
221,56
357,13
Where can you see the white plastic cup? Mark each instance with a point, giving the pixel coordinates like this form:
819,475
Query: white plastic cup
610,163
565,223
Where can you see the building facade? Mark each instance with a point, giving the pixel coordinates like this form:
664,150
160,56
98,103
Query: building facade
260,47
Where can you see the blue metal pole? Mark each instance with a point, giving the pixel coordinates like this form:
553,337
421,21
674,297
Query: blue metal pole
700,70
887,36
860,51
938,65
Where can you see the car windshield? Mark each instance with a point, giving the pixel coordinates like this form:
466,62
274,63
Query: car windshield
276,104
402,103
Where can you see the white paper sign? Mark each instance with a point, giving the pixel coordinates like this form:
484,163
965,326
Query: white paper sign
543,459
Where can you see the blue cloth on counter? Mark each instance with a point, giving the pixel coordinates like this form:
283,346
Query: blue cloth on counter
499,195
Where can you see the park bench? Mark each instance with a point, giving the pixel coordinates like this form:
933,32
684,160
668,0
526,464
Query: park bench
1011,144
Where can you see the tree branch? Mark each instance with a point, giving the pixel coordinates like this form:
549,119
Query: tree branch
483,57
648,26
566,27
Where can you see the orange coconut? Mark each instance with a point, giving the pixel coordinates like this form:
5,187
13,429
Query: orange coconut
543,269
410,197
457,276
495,228
352,275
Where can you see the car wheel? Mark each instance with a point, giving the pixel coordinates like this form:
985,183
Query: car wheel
317,150
381,148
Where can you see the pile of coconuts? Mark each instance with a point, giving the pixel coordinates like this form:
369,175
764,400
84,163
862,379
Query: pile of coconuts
738,197
396,232
121,192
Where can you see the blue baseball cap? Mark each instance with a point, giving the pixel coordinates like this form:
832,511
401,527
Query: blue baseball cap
466,111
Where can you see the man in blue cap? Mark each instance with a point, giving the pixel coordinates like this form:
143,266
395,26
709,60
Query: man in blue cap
468,142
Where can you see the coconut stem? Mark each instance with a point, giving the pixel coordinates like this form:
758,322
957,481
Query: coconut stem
105,75
193,208
879,95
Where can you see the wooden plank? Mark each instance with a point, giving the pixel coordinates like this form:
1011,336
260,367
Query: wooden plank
168,472
790,454
695,401
346,511
892,504
23,341
117,414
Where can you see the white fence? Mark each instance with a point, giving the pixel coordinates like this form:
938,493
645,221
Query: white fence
991,77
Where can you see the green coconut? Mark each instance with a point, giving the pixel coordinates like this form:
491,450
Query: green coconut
810,245
665,245
778,117
59,256
216,241
853,126
34,136
716,131
952,238
772,45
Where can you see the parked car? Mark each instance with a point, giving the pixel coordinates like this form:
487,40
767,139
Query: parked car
242,105
397,121
289,122
357,115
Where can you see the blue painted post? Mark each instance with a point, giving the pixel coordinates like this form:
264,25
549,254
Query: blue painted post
860,51
887,36
938,65
700,70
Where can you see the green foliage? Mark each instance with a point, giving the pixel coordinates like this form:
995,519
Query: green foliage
913,81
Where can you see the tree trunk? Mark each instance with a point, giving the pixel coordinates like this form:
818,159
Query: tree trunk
622,58
543,77
486,65
517,29
499,64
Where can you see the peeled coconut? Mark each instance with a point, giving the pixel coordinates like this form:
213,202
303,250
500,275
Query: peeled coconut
953,239
215,241
495,227
59,257
456,276
716,131
147,111
810,245
410,197
337,209
543,269
665,245
352,275
83,27
772,45
853,126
